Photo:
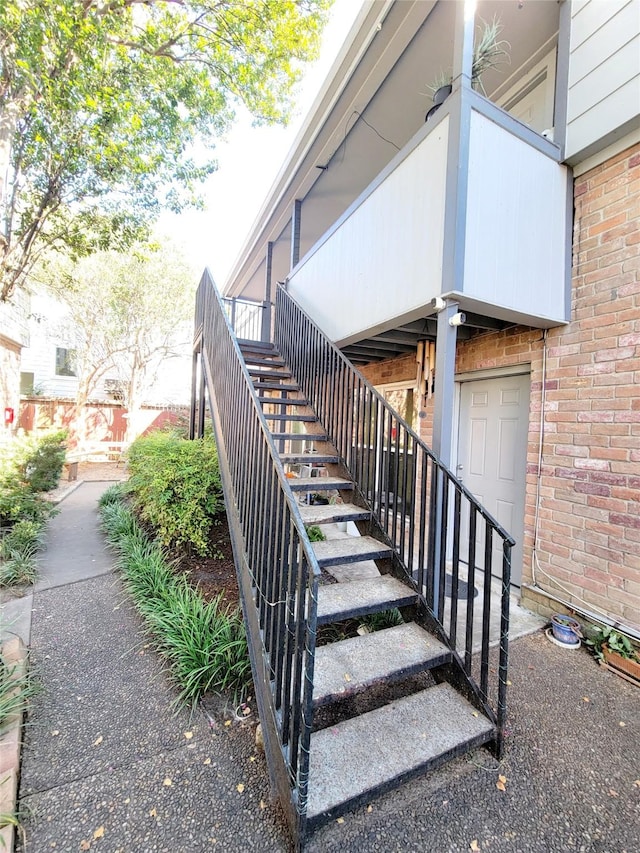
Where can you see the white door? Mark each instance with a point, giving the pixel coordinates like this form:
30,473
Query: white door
492,452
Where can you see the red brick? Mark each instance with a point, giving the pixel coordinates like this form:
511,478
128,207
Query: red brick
627,521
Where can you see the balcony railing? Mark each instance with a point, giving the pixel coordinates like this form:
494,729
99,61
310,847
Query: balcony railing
250,320
475,206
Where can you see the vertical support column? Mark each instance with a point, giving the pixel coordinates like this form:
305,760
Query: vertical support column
295,232
265,334
442,434
444,383
194,389
463,43
201,407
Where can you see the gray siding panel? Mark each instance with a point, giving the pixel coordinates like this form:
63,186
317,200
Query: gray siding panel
603,99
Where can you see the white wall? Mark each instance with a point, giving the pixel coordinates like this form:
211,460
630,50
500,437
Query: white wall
603,99
384,259
515,254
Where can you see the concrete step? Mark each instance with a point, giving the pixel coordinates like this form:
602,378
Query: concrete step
257,347
309,459
351,549
263,360
340,601
319,484
333,513
256,372
352,760
351,666
294,416
274,386
300,436
283,401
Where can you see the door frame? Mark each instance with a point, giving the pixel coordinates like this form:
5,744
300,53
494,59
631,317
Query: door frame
523,369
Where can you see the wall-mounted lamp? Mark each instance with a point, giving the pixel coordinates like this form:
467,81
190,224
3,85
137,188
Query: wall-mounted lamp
458,319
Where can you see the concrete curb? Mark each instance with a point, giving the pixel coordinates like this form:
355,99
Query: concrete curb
62,492
14,654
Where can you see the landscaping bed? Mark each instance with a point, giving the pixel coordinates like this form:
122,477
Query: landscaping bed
214,575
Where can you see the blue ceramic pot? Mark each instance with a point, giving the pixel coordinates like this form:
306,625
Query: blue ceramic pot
566,629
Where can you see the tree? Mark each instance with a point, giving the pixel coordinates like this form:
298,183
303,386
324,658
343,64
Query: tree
101,102
127,314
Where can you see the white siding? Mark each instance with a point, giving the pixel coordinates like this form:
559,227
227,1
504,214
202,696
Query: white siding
384,260
603,99
13,318
515,255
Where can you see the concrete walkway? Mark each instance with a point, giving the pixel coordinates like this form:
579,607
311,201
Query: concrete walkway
108,766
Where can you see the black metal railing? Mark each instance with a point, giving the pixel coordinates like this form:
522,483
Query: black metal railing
277,569
446,542
250,320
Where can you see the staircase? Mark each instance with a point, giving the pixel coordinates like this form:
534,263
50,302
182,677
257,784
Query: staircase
346,714
352,758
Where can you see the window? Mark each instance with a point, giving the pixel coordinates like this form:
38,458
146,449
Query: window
26,384
65,362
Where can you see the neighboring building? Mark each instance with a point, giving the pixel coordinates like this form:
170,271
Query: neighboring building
520,211
48,364
14,335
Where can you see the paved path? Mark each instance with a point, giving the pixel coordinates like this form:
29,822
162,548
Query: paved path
107,764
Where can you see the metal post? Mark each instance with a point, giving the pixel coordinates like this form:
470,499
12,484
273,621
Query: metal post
463,43
201,406
442,433
265,334
194,389
444,383
295,232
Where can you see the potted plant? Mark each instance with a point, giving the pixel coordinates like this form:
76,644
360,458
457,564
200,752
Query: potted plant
489,51
616,651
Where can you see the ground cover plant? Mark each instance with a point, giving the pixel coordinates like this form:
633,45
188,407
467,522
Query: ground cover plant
29,466
202,640
17,686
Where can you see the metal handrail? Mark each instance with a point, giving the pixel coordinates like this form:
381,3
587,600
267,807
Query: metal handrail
277,569
249,319
420,506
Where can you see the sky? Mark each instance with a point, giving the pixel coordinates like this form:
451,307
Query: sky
248,161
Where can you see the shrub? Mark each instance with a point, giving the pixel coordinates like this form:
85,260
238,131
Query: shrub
44,463
175,486
33,462
18,502
203,642
28,466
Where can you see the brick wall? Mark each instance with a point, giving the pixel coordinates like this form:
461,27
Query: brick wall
590,510
588,548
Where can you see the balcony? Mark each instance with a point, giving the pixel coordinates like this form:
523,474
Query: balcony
475,207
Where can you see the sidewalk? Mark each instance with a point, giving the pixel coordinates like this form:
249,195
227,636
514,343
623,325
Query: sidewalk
107,766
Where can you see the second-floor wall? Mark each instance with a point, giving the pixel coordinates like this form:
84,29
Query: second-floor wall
603,85
570,78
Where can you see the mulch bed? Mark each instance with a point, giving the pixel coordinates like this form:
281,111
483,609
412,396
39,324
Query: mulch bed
214,575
